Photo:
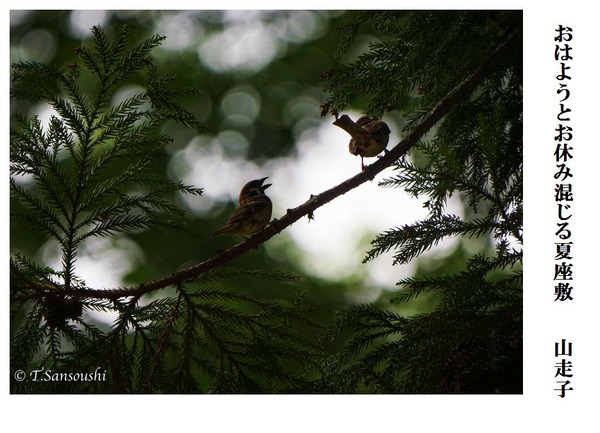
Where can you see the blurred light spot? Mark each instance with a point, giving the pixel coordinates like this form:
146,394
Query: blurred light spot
236,121
18,17
233,143
44,112
334,244
301,107
50,255
303,125
243,101
380,272
247,47
22,179
126,92
203,163
181,29
301,26
360,46
82,21
252,39
303,113
248,16
38,45
103,262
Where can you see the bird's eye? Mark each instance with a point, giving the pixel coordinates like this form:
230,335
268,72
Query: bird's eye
252,192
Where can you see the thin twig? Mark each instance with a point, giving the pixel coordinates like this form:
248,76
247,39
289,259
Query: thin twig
460,92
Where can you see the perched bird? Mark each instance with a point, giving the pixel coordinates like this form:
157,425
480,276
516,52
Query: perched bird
253,213
369,136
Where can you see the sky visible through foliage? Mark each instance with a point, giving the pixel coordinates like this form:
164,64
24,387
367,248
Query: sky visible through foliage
241,45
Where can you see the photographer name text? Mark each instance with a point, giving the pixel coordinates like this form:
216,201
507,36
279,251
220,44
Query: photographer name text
46,375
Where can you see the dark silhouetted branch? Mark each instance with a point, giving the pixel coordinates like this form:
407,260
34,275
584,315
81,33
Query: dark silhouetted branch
459,93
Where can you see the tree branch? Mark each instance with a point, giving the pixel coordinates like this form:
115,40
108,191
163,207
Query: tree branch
460,92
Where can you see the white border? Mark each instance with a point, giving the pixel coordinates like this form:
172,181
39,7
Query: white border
545,320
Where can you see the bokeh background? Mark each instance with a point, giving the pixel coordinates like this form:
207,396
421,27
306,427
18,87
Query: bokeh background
261,94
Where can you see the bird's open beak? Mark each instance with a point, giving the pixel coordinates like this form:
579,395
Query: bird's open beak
263,187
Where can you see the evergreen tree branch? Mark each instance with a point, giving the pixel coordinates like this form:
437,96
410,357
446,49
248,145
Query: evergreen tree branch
443,107
412,240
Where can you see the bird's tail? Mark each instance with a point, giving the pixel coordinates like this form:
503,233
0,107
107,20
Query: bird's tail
349,126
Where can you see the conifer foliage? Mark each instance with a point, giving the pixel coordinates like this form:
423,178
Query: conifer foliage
472,341
87,174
